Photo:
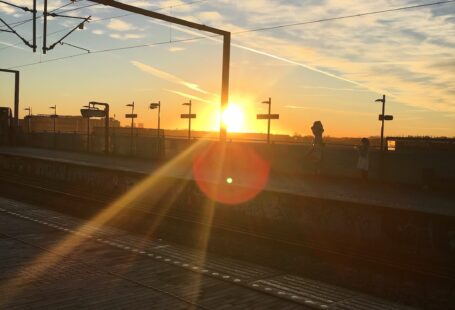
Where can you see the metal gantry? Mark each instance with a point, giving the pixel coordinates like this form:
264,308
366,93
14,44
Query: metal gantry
133,9
11,29
60,41
174,20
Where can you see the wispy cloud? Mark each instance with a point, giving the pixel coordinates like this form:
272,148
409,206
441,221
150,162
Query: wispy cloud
12,45
6,9
189,96
325,110
126,36
119,25
98,32
174,49
166,76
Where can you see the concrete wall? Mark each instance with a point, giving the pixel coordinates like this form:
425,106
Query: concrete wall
290,217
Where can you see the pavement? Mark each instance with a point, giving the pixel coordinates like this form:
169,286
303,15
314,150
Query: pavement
338,189
49,260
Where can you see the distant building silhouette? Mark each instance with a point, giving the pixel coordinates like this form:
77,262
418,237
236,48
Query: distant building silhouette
64,123
420,144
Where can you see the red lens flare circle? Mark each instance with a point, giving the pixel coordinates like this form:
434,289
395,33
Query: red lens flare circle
230,174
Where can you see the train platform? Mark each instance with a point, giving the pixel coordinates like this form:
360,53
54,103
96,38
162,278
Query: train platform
49,260
353,191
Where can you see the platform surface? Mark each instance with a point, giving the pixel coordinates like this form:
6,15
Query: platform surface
339,189
49,260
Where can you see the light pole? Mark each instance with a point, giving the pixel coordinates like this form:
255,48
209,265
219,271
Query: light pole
132,126
269,102
88,125
189,104
54,116
381,118
29,109
153,106
106,122
269,116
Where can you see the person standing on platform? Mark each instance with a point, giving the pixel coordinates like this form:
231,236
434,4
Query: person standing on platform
363,162
316,153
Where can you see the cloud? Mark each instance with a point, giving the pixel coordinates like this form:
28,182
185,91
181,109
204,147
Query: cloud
6,9
166,76
386,52
210,17
189,96
12,45
326,110
98,32
126,36
119,25
175,49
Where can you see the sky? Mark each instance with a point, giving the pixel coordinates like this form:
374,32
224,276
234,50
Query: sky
330,71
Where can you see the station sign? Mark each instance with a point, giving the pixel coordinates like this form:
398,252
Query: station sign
131,115
92,113
386,117
268,116
187,115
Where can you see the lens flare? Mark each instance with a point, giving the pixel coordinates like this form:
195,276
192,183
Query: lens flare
215,176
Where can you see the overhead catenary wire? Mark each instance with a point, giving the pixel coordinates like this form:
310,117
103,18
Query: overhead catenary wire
96,20
239,32
346,16
20,23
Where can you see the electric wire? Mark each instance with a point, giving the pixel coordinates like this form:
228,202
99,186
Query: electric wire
238,32
96,20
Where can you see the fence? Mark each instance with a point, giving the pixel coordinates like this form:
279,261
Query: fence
285,159
146,147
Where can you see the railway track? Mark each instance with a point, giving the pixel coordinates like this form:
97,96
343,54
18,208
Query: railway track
189,218
97,252
424,272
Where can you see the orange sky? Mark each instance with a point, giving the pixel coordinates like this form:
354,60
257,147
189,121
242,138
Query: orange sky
331,72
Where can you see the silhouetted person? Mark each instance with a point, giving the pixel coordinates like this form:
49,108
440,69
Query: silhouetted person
363,162
316,152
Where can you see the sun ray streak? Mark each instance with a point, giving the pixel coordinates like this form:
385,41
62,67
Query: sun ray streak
45,261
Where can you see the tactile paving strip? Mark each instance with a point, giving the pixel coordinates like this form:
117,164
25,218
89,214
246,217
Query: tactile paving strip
307,292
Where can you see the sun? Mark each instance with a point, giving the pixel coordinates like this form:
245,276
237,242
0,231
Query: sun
233,117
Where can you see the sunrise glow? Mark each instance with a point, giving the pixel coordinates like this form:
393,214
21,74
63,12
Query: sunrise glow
233,117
